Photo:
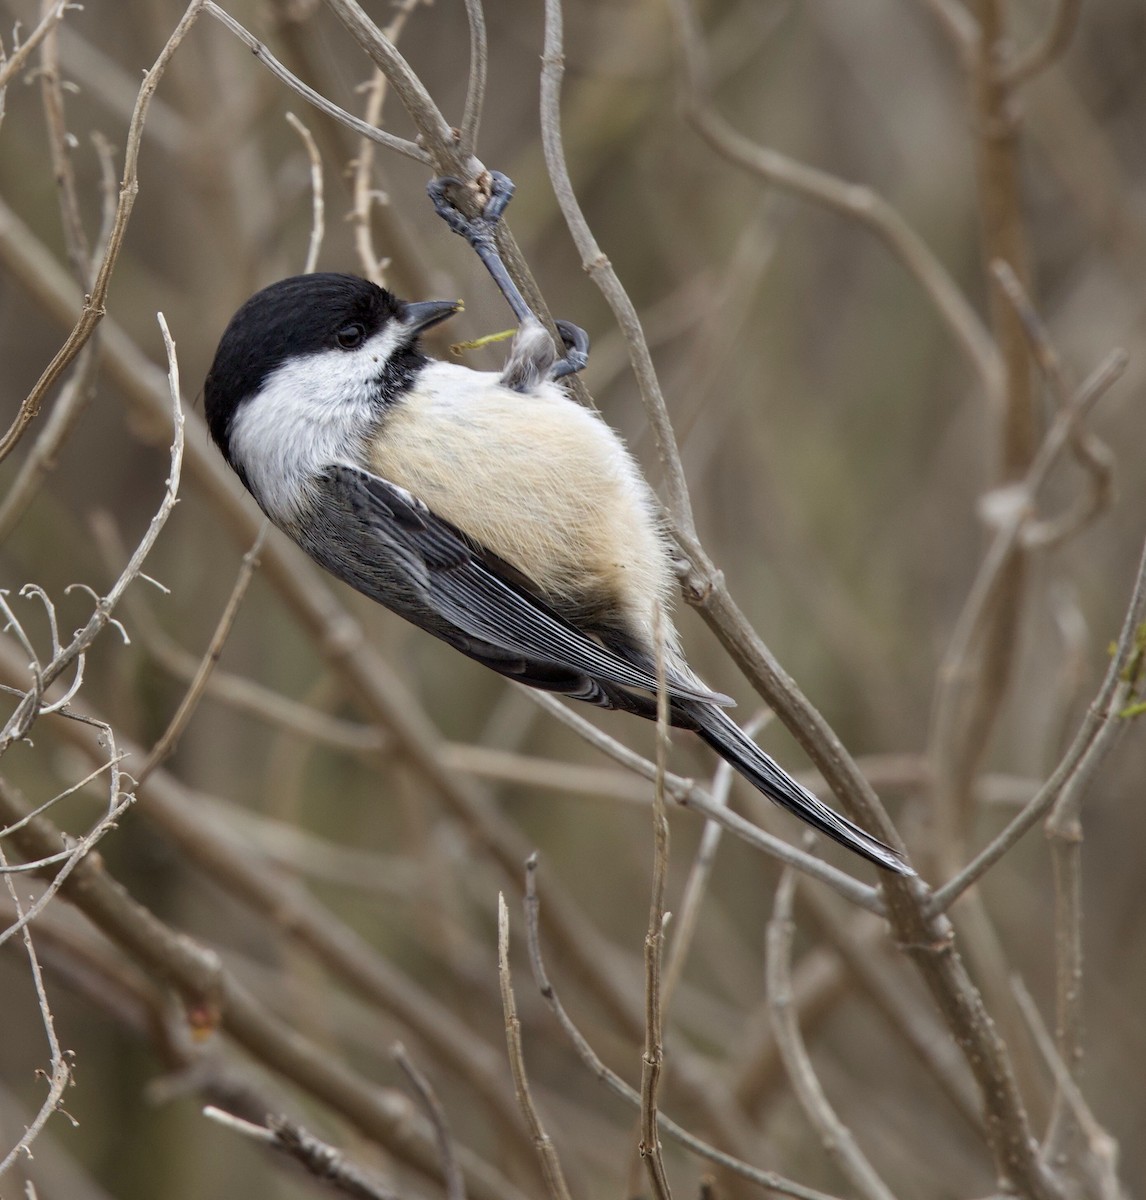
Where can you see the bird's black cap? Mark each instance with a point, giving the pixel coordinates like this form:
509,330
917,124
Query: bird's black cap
292,318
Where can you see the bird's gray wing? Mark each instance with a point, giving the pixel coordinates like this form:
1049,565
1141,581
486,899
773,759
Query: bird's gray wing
392,547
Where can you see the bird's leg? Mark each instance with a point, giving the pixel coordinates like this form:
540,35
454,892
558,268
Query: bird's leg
479,232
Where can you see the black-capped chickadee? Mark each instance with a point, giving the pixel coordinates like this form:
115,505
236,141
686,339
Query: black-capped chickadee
488,508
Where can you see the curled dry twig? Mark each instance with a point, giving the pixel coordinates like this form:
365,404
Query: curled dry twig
63,657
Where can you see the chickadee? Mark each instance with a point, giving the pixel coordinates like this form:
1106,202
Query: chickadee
488,508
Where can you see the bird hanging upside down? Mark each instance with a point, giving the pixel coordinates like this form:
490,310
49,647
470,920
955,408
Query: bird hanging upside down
488,508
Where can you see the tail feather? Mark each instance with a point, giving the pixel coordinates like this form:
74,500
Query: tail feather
738,749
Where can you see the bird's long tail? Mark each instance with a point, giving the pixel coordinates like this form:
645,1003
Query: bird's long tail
738,749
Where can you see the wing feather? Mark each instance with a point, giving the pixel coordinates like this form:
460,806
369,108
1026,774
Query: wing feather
389,545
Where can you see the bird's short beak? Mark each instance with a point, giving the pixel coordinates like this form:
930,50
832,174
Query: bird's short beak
425,314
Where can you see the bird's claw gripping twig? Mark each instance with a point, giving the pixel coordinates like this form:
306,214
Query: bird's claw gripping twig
479,231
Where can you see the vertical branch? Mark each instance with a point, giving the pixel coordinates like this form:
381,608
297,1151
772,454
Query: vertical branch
475,84
550,1163
317,205
60,144
1067,1134
836,1137
370,262
60,1060
601,271
653,1058
970,694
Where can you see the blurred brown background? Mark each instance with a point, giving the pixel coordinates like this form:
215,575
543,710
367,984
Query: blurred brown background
836,444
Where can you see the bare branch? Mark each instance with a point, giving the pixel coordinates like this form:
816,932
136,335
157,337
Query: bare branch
475,85
353,123
836,1137
1103,723
1097,1169
169,739
601,271
436,1115
546,1151
615,1084
17,60
1049,48
30,707
317,1157
93,305
859,203
209,990
688,795
60,1072
653,1058
317,221
435,131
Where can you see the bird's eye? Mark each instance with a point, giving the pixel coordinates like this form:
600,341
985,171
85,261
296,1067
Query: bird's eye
351,336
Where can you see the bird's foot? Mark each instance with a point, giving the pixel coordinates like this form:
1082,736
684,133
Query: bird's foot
479,232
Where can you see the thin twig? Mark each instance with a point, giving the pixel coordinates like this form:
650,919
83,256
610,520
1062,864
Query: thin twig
1050,47
209,989
959,680
686,793
93,306
475,83
862,944
433,128
317,219
835,1136
72,853
1099,1175
354,124
318,1158
365,195
169,739
60,144
1101,726
542,1143
653,1058
685,921
60,1071
601,271
968,705
859,203
371,264
615,1084
1065,833
436,1115
1092,455
16,61
341,950
29,708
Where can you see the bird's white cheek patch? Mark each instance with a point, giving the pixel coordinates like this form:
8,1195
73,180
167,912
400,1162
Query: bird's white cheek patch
309,413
